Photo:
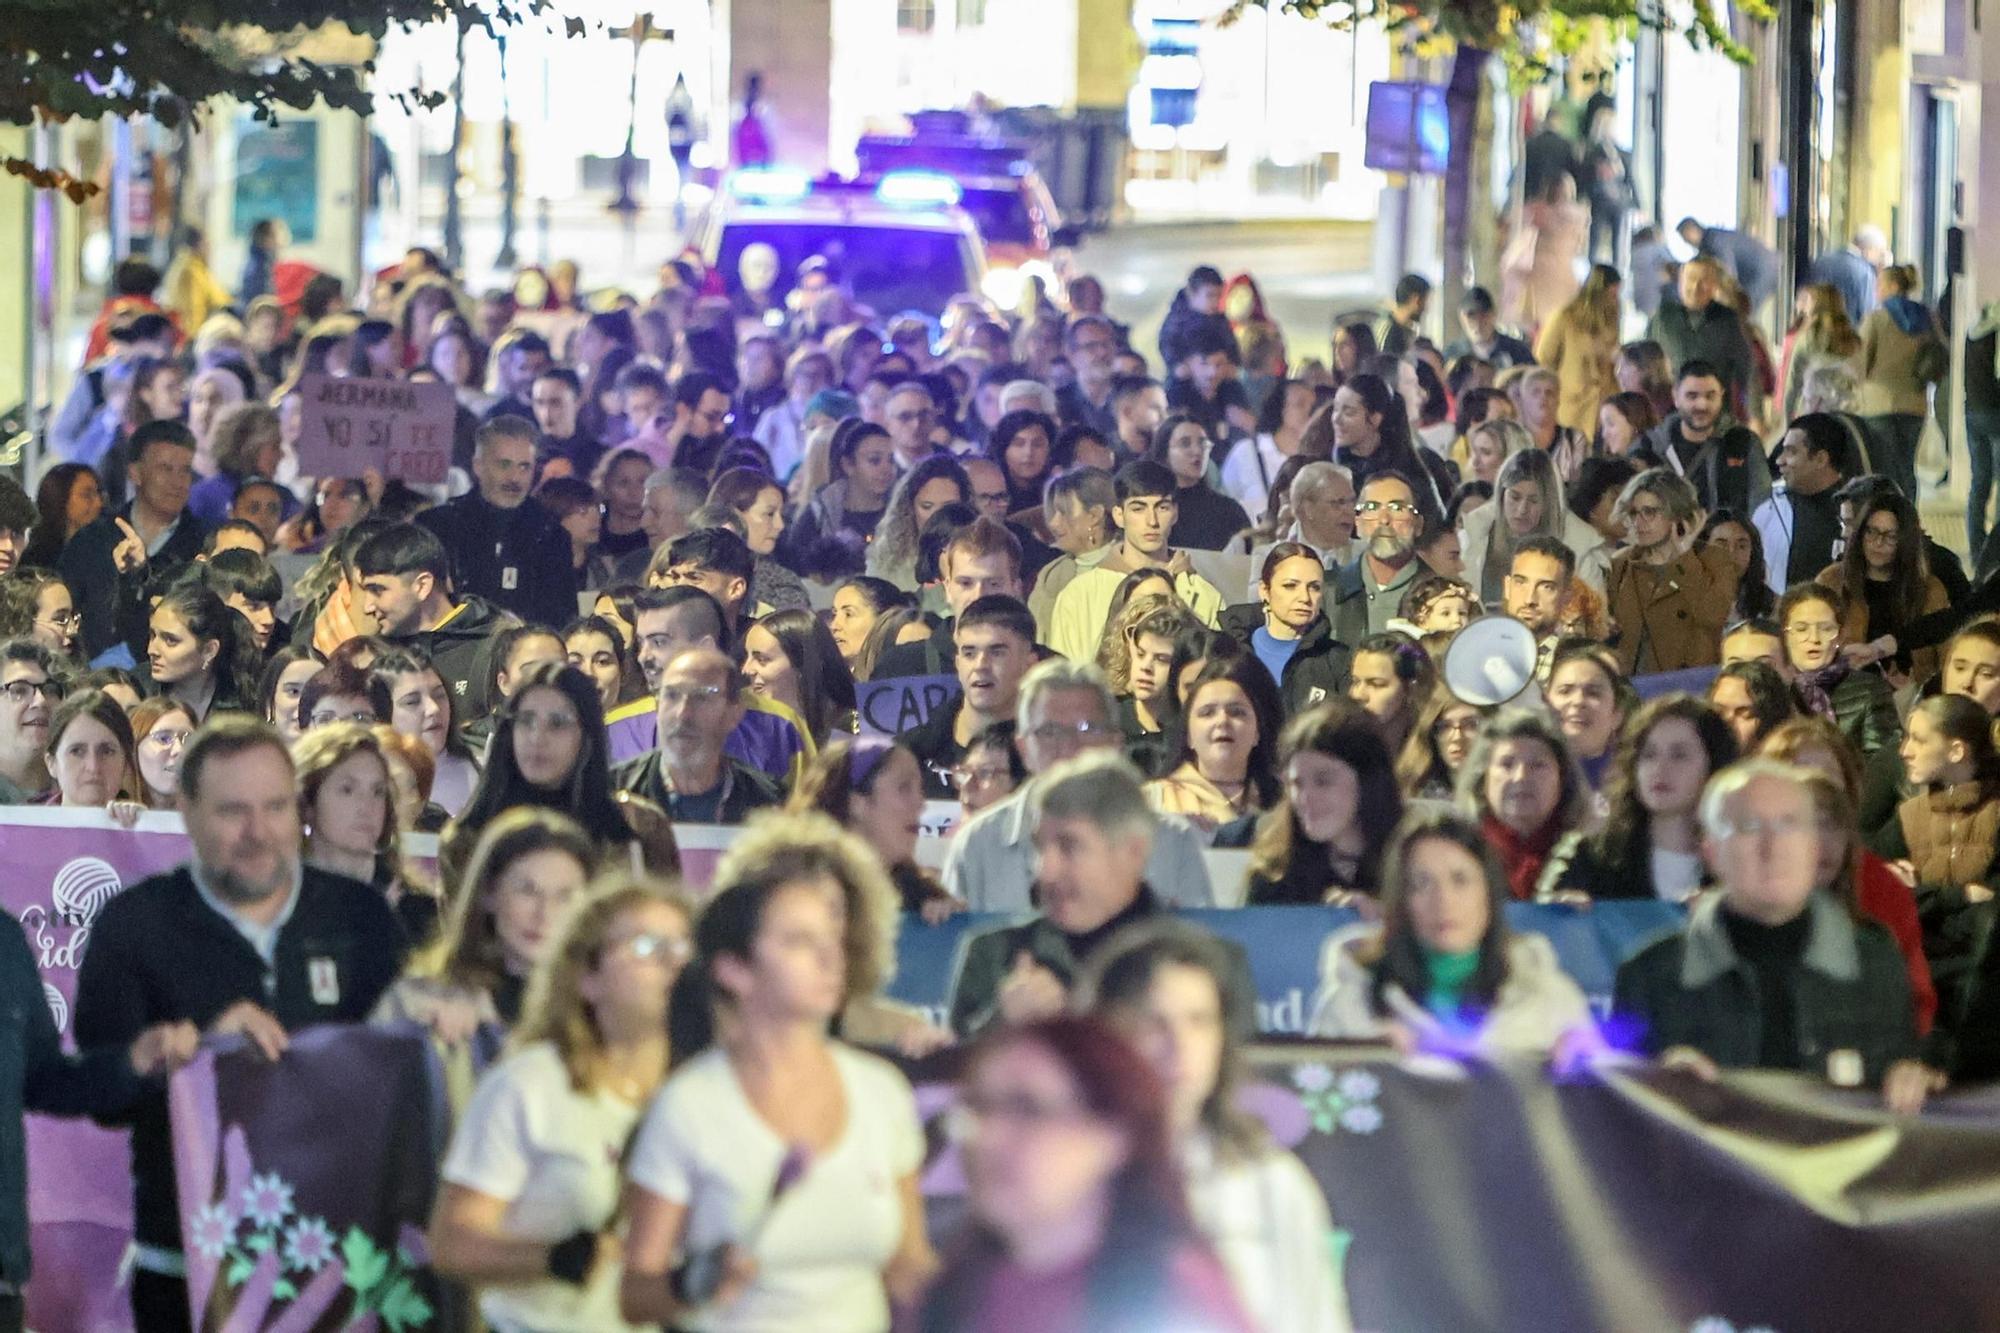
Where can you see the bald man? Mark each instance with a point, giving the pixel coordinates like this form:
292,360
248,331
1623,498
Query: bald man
699,701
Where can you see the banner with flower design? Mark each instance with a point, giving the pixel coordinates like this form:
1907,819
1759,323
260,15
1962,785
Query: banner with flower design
305,1183
1487,1198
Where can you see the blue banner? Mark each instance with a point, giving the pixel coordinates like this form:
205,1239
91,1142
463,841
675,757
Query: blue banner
1283,945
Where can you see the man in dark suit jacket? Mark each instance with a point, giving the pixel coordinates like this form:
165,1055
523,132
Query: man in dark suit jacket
243,940
1093,832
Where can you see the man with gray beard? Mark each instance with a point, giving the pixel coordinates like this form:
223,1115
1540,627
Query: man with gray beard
244,939
1387,522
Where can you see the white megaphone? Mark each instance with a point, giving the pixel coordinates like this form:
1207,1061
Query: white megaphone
1492,661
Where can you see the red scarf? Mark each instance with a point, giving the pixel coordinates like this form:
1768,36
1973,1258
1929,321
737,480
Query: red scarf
1522,857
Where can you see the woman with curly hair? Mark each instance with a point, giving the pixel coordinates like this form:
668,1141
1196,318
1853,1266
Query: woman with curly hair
932,484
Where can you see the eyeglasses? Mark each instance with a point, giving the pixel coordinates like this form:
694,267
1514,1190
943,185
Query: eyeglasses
1886,536
1781,827
1814,633
650,945
1463,726
1048,733
1392,507
65,619
673,696
167,741
1646,513
965,775
964,1119
21,691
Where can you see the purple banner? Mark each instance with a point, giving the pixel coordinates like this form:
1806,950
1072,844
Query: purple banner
305,1182
63,866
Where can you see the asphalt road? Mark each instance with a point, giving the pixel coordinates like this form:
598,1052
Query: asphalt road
1308,272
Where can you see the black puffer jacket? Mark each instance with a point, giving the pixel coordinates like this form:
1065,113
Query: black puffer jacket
1318,670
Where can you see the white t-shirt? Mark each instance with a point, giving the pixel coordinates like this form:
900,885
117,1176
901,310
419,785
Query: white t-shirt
552,1153
1268,1222
1676,875
820,1258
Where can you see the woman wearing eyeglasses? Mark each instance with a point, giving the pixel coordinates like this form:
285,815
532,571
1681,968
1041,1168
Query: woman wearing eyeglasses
37,603
162,727
1668,600
1859,702
530,1186
1888,584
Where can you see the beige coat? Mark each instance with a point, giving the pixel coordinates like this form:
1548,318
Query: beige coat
1537,1003
1888,369
1583,364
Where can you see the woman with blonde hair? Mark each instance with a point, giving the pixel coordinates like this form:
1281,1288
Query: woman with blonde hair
1579,345
349,816
529,1197
1528,501
1823,336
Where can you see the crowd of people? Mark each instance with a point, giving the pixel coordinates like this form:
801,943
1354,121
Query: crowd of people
1190,596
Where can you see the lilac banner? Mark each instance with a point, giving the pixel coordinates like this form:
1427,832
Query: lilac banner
63,866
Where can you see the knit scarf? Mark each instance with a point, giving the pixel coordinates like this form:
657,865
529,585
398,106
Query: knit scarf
1815,688
1522,856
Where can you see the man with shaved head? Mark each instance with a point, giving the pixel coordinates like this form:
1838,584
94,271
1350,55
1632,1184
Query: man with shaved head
699,701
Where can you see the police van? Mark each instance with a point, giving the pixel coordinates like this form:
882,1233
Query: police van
899,242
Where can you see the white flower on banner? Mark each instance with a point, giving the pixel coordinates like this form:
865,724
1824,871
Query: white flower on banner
1359,1085
267,1199
1363,1118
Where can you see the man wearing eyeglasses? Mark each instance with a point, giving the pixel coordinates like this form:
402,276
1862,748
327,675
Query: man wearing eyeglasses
29,693
1768,973
909,414
701,422
1369,592
698,703
1065,709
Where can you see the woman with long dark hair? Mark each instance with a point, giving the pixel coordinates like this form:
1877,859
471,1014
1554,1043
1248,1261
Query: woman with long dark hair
1888,583
200,651
767,1127
1079,1213
852,505
1187,1005
858,602
1205,519
422,706
1745,545
1442,970
790,657
1650,844
1023,444
1322,842
1371,432
549,750
67,500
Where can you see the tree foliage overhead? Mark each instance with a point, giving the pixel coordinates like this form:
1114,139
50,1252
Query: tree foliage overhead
1523,33
88,59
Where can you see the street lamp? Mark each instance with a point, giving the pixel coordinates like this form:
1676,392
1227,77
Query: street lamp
641,32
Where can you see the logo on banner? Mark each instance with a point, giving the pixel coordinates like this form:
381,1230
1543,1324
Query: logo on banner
58,932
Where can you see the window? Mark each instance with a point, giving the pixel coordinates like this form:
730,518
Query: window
915,15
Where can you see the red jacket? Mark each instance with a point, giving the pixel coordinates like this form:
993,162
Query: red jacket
1886,899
